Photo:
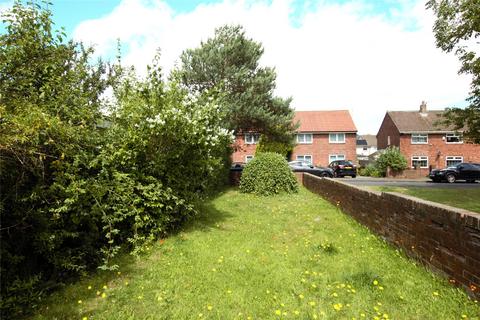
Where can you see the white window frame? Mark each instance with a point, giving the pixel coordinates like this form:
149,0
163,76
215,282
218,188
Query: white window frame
251,138
301,157
336,135
419,158
304,140
419,135
249,158
453,158
459,136
336,157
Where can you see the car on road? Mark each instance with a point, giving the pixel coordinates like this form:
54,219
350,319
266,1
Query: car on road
302,166
462,171
342,168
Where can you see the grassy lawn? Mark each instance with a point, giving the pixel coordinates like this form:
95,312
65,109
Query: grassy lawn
466,198
247,257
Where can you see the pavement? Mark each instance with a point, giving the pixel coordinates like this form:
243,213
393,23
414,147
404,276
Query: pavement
422,182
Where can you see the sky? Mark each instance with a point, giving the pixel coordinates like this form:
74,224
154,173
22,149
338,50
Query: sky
366,56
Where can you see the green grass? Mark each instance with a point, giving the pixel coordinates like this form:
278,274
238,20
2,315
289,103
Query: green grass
466,198
249,257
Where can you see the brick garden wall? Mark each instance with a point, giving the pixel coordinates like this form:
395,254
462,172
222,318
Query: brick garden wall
445,239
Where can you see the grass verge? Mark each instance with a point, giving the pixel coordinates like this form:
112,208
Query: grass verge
250,257
466,198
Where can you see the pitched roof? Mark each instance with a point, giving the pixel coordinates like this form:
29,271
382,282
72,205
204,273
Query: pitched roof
415,121
370,140
325,121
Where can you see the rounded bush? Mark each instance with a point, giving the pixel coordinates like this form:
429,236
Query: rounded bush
268,173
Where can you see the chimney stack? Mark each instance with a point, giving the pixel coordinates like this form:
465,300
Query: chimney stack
423,107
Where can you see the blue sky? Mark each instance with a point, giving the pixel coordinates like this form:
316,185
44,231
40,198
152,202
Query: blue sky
367,56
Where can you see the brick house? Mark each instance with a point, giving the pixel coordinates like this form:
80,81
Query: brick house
423,141
322,137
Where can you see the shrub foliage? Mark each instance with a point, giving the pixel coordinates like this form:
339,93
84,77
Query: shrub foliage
268,173
393,158
73,192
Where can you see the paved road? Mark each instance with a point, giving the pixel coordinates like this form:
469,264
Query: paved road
379,182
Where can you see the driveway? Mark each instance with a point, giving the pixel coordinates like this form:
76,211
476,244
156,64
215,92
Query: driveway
426,183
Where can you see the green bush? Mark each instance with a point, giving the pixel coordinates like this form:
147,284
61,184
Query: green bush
392,158
268,173
370,171
75,194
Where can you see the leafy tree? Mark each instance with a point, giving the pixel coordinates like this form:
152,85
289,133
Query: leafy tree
393,158
456,29
226,67
283,146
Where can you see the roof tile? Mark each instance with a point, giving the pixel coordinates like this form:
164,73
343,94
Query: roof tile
325,121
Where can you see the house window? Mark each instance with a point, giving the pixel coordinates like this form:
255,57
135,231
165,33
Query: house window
388,140
453,160
453,138
305,158
304,138
334,157
248,158
336,138
419,162
419,138
251,138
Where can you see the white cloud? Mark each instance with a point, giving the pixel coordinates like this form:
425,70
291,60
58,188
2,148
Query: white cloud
340,56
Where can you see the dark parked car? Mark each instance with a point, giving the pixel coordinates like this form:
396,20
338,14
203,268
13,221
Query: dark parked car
462,171
342,168
301,166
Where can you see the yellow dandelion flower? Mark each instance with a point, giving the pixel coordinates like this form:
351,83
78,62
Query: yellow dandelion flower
214,270
375,308
282,304
126,283
98,293
229,291
379,303
104,295
105,287
285,314
375,282
385,316
362,315
334,294
296,312
353,290
464,316
80,301
337,306
209,308
312,303
278,312
200,315
380,288
435,293
314,285
85,318
301,296
268,291
89,287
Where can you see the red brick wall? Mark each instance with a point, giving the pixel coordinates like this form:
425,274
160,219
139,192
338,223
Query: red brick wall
437,150
445,239
241,150
320,149
387,128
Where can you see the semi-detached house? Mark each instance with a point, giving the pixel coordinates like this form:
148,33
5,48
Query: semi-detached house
322,137
424,141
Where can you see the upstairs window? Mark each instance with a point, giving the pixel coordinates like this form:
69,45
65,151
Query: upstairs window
419,138
336,138
453,138
305,138
251,138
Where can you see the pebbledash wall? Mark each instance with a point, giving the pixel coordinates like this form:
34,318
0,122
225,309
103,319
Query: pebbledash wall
444,238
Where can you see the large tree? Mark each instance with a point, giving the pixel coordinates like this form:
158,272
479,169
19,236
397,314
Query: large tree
226,67
457,29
